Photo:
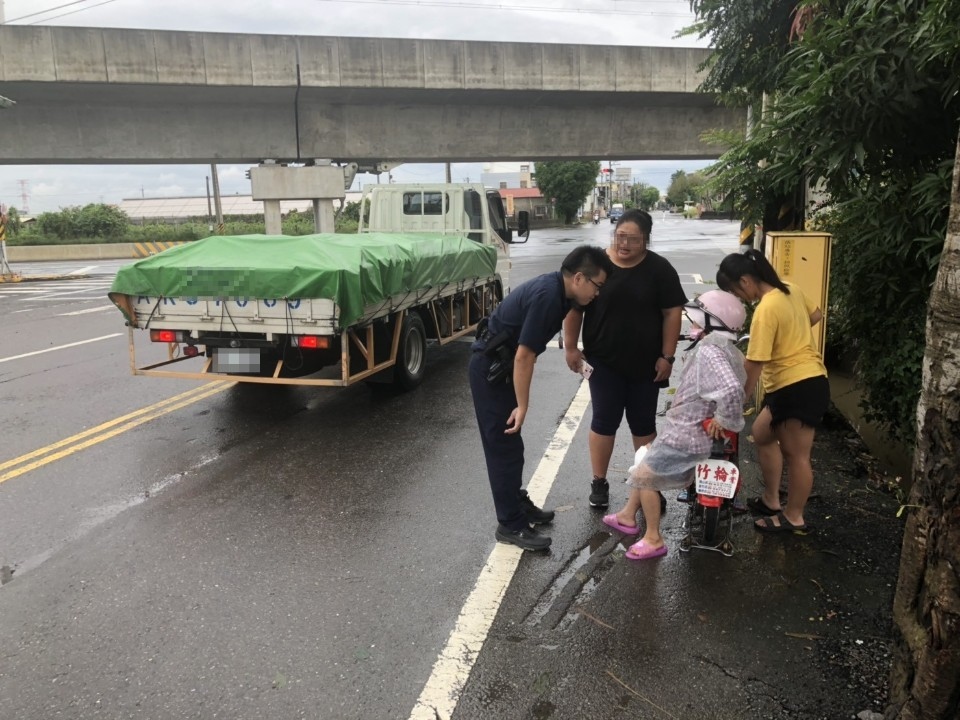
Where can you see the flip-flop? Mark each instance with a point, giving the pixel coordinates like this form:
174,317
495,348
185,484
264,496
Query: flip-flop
611,521
642,551
766,524
757,505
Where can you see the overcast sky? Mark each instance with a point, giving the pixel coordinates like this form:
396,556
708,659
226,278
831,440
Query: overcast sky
593,22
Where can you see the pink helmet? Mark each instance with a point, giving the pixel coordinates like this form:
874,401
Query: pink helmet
718,305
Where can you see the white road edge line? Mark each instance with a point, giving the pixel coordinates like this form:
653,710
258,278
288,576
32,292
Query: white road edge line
83,271
88,310
59,347
441,694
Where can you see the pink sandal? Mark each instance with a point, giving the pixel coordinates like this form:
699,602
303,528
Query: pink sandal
611,521
642,551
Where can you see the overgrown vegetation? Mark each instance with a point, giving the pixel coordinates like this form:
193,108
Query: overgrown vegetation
97,223
861,98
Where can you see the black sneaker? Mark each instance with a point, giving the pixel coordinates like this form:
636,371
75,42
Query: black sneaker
535,515
599,493
526,538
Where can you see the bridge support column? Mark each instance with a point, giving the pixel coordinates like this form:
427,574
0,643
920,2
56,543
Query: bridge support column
318,183
272,217
323,217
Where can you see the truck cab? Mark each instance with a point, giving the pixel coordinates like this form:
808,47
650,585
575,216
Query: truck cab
461,209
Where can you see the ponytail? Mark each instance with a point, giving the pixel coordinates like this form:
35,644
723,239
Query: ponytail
752,263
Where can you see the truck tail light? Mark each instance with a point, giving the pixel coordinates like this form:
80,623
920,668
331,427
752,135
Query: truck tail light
167,336
311,342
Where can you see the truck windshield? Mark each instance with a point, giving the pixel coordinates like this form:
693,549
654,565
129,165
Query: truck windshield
424,203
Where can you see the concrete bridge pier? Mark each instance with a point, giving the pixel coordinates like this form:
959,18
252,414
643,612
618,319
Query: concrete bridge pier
321,183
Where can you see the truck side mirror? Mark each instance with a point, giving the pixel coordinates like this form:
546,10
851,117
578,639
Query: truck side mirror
523,225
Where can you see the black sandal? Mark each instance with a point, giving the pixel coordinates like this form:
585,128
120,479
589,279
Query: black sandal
758,506
778,523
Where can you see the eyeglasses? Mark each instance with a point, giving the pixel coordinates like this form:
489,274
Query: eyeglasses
628,239
597,285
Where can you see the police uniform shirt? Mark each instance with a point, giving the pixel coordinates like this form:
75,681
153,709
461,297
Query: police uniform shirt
532,313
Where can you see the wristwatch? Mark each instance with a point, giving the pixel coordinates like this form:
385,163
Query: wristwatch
668,358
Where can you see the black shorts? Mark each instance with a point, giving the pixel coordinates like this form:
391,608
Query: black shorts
806,401
614,395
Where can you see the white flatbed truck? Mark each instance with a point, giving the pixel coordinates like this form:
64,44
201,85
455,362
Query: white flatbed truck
428,263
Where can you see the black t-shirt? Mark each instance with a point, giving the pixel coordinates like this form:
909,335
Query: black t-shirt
623,326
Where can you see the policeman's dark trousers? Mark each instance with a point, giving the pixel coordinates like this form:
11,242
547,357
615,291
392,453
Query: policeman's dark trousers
504,453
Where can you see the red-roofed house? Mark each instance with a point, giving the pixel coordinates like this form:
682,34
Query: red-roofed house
529,199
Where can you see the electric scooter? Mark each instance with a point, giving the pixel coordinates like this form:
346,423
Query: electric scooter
710,499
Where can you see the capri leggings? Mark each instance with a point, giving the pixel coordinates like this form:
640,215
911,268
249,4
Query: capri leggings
613,394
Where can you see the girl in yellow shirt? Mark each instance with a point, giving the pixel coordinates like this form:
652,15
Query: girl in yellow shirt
781,354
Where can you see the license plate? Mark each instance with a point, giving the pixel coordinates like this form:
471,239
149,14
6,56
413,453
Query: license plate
717,477
236,360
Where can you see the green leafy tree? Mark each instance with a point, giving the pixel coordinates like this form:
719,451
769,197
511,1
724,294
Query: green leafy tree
60,224
100,221
684,187
649,197
13,221
866,100
350,211
568,182
645,196
91,221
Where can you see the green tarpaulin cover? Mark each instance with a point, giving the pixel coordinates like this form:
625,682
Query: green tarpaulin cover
352,270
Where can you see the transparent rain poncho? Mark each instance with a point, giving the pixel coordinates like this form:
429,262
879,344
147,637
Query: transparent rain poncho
711,385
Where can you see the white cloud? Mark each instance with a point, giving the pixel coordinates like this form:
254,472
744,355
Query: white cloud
592,22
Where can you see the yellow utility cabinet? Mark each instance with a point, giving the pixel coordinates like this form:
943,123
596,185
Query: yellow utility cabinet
803,259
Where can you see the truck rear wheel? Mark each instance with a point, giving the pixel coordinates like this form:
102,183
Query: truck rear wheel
411,353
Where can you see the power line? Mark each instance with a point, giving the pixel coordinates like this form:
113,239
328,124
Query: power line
90,7
44,12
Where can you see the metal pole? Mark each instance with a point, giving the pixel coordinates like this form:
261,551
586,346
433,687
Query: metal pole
216,198
209,209
448,174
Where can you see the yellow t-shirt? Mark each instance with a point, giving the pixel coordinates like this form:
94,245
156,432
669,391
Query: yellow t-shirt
781,337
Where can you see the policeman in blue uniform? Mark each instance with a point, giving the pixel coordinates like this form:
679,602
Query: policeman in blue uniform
501,370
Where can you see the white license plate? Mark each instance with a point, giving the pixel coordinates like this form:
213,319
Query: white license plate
717,477
236,360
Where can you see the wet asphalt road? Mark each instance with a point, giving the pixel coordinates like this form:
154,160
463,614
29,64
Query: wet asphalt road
272,552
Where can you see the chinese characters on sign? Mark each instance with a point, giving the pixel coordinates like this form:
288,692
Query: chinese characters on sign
718,478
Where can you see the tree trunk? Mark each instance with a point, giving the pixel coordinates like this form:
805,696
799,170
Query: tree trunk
925,678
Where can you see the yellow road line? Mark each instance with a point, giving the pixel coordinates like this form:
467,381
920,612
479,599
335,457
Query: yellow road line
119,425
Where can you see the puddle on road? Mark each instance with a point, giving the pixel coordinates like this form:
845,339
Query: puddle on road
573,584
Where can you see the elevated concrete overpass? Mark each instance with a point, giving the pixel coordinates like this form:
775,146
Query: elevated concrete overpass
97,95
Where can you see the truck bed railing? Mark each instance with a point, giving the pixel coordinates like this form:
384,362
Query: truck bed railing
451,312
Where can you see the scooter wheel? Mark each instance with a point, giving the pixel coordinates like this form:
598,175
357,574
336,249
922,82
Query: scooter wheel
711,521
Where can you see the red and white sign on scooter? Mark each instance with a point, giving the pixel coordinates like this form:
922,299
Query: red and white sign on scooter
717,477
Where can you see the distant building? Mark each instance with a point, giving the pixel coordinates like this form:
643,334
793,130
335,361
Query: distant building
178,209
529,199
503,175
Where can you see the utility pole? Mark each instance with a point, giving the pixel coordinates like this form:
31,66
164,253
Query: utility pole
448,174
216,198
209,209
